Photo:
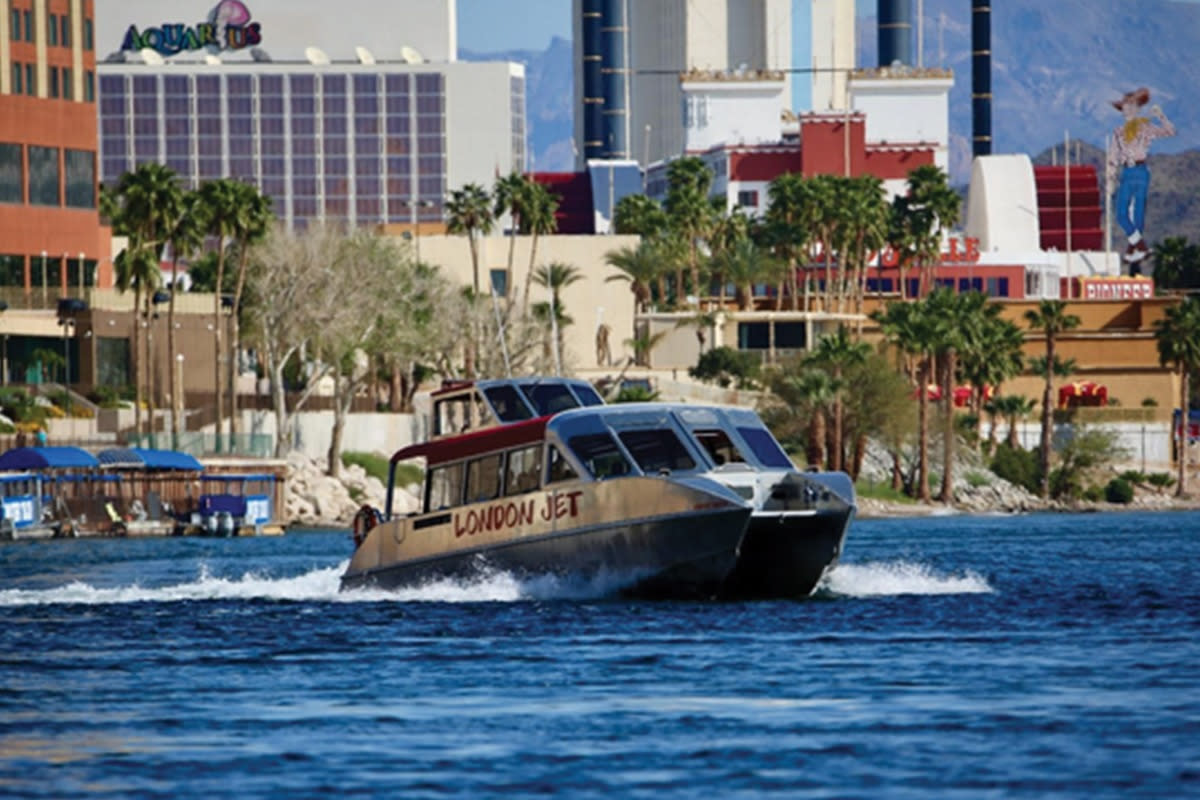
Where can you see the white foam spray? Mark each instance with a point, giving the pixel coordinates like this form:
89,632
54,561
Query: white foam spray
883,578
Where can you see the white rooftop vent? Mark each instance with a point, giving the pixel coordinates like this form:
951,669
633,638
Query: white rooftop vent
411,55
365,56
212,58
151,57
316,55
258,54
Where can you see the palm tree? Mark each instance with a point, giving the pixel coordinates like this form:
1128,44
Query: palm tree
865,224
1178,335
909,327
638,214
556,276
824,196
1176,263
511,195
143,206
1052,319
537,219
186,236
745,264
837,352
790,220
469,212
805,397
1011,407
918,219
222,207
639,266
251,224
691,215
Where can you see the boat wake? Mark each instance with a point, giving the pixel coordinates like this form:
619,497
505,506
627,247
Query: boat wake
886,578
323,585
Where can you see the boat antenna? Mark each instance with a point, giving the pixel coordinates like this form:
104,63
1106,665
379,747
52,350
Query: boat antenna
500,332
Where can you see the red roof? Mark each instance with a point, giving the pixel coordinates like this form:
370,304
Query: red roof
489,440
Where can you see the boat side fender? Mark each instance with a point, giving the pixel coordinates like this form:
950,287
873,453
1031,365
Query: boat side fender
364,521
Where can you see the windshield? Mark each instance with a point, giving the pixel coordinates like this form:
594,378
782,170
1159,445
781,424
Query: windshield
765,448
549,398
657,450
600,454
507,403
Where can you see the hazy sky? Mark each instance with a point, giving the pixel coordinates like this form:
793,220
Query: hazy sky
492,25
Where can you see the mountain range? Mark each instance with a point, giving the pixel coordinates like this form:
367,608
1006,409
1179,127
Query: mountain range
1056,68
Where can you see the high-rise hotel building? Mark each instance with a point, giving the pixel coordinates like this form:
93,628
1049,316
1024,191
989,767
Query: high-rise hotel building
360,114
50,232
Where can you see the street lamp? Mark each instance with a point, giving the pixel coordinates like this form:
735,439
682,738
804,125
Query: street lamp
68,326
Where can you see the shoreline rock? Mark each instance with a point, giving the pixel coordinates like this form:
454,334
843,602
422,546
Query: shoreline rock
314,499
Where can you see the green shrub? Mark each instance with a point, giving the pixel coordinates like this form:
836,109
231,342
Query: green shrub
1134,476
1160,480
1149,402
635,394
1017,466
977,479
1093,494
880,491
1118,491
377,467
725,366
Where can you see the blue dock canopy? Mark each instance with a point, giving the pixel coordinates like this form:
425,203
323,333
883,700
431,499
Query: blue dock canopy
26,458
147,458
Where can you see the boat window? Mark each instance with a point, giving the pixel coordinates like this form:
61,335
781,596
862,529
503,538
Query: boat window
507,403
657,450
483,478
445,487
523,471
718,446
559,468
600,454
459,413
549,398
587,395
765,448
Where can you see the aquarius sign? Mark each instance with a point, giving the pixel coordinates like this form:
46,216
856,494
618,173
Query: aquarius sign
228,28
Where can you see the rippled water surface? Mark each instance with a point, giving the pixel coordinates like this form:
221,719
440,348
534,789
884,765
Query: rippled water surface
1032,656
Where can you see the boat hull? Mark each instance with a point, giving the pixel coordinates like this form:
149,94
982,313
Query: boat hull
786,555
685,547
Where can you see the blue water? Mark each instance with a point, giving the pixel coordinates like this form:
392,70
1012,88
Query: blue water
1026,656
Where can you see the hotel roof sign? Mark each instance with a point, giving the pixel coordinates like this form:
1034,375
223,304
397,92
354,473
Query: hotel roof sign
229,27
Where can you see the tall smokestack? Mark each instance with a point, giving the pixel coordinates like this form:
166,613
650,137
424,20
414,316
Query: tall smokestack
593,79
981,77
895,32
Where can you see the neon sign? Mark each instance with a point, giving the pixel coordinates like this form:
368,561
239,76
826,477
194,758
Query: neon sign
228,28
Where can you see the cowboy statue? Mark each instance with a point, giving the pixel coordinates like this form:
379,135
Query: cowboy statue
1127,152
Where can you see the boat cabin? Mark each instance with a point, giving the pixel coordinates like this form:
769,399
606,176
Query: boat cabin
463,406
592,443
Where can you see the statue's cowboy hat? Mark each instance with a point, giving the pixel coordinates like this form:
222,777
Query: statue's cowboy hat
1138,97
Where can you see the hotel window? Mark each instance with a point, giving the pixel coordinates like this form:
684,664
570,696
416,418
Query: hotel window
14,25
747,199
54,81
12,270
68,90
81,178
43,176
17,84
30,81
65,21
87,34
89,87
52,30
11,173
28,26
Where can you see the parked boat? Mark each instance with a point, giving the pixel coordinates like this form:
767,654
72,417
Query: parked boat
152,487
21,507
654,498
66,478
235,504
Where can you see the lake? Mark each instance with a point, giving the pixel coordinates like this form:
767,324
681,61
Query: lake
1045,655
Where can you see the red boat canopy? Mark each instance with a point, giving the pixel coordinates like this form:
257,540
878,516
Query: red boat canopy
502,437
